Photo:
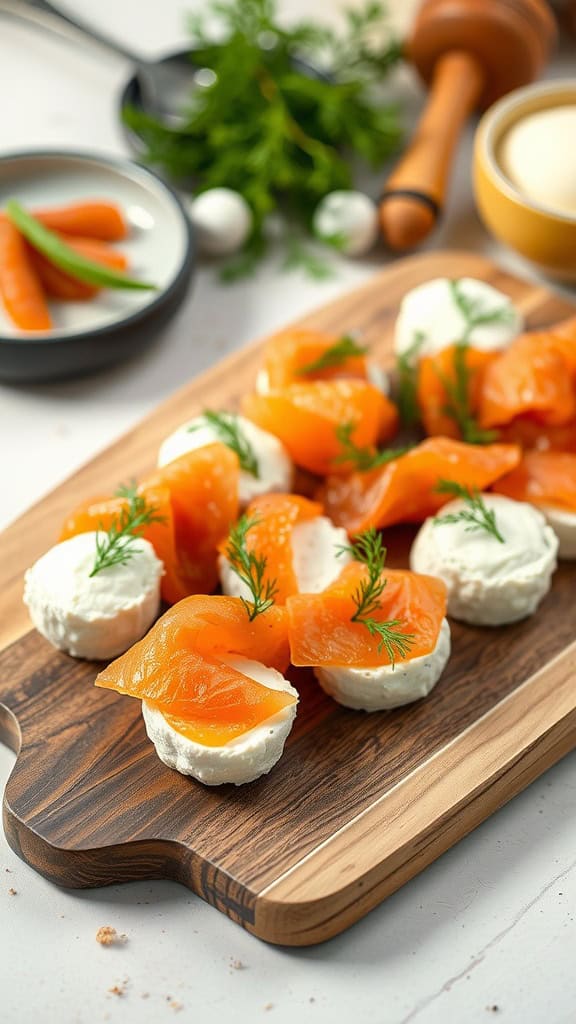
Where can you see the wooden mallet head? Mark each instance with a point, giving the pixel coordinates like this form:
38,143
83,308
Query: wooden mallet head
470,52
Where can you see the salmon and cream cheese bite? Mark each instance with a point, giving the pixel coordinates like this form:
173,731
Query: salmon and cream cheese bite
215,701
376,639
300,548
496,557
239,760
265,465
89,612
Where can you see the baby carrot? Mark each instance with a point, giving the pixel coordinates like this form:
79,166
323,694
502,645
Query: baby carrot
57,284
101,220
20,287
94,249
63,286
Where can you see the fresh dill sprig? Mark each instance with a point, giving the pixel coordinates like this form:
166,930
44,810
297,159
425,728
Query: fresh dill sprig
115,546
363,459
250,568
458,399
345,348
368,549
475,313
475,513
128,491
407,370
230,433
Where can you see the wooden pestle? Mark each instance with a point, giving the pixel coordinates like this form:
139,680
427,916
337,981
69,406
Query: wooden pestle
471,52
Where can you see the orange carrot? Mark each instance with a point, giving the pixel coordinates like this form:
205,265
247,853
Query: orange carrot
102,220
63,286
95,249
20,287
57,284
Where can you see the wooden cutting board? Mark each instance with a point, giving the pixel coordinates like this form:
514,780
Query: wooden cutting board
359,803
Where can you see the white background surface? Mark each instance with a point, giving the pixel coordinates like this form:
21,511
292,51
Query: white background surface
491,924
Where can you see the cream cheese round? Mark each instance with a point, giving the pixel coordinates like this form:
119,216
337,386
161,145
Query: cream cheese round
275,467
489,583
315,559
96,617
384,688
375,375
563,522
430,311
244,758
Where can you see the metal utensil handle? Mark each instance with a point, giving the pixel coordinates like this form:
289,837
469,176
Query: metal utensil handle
44,15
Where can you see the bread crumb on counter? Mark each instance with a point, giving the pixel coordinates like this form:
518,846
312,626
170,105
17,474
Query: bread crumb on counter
108,936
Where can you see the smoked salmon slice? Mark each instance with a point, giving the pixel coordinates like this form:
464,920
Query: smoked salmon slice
449,388
291,357
536,377
306,417
178,668
529,434
197,495
275,516
542,478
404,490
320,631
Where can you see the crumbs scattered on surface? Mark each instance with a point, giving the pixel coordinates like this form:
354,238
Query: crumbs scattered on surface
175,1005
108,936
118,990
12,892
494,1008
269,1006
237,965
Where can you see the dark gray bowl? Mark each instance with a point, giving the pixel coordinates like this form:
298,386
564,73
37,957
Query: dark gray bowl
116,325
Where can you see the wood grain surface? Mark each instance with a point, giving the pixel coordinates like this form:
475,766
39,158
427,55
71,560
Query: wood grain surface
359,803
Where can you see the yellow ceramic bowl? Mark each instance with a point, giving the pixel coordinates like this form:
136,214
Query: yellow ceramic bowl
545,238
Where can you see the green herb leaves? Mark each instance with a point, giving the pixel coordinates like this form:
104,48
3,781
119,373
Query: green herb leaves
115,546
368,549
457,390
475,514
250,568
475,312
230,433
407,371
458,400
269,126
363,459
337,354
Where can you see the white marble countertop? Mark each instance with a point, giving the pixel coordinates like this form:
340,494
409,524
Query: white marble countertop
489,930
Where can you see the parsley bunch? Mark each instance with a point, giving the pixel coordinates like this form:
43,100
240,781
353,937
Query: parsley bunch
269,126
